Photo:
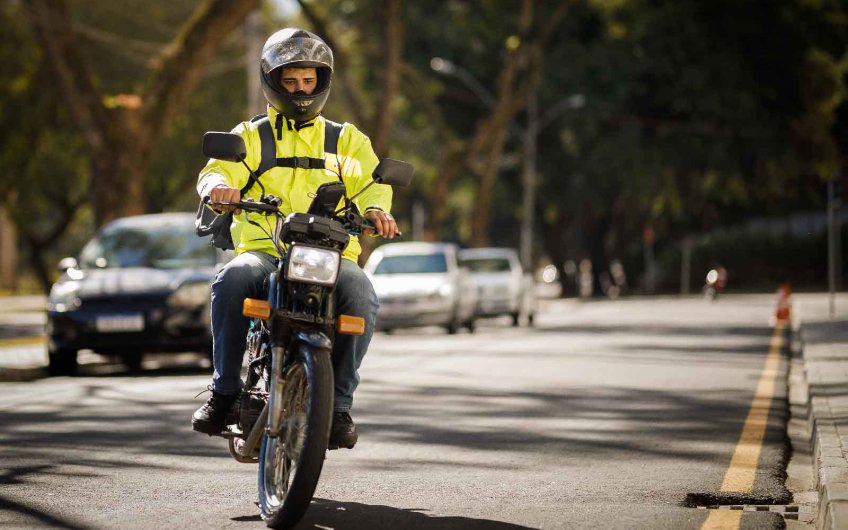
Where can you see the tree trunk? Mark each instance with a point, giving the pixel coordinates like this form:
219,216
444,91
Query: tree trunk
519,77
121,133
451,162
8,252
385,116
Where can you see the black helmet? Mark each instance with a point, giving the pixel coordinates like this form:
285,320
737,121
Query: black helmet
296,48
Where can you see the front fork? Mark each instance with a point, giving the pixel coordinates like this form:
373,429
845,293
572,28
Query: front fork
275,392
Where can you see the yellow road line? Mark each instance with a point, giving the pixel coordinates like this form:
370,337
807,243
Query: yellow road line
22,341
742,471
723,520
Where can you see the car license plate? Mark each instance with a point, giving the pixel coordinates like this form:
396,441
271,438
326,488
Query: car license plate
117,323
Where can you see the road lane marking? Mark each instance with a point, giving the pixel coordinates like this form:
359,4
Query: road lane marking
723,520
22,341
742,471
743,466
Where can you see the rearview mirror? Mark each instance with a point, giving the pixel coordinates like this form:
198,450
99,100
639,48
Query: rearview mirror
393,172
224,146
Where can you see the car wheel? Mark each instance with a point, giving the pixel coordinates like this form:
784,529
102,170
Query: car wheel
132,361
453,326
62,362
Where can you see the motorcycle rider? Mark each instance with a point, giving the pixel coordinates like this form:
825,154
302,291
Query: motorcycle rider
296,69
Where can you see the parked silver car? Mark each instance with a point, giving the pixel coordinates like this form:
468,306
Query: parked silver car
421,284
502,286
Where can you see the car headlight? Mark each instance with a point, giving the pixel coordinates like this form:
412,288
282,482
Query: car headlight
313,265
63,297
190,294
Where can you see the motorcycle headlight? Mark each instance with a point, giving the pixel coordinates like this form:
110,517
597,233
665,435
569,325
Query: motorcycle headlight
190,294
313,265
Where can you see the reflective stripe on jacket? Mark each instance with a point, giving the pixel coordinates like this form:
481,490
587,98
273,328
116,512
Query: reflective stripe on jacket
355,162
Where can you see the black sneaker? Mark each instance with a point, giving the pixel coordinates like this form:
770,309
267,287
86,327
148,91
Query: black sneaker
343,432
213,416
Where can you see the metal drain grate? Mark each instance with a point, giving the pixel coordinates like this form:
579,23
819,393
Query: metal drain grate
788,511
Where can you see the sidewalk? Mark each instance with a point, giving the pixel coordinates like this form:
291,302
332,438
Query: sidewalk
23,353
824,348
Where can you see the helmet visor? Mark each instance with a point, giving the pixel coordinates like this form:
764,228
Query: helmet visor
305,51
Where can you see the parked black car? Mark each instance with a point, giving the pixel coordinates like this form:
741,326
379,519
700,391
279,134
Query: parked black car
142,284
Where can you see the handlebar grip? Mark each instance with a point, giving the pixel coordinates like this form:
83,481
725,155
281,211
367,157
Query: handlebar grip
249,206
256,206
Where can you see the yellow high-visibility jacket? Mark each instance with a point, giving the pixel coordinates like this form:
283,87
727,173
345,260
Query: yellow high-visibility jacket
355,162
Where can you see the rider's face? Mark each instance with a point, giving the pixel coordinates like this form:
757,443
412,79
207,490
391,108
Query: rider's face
299,80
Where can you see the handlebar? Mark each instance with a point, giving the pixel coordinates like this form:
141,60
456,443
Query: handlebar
261,207
250,206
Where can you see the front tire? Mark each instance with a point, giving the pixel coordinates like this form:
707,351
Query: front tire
290,464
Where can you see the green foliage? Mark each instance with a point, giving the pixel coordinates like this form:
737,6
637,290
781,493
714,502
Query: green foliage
42,155
697,114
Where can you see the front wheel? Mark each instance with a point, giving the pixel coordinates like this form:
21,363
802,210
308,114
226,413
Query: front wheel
290,464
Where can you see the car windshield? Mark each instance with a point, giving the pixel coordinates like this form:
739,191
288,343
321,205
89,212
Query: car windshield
412,264
486,264
160,247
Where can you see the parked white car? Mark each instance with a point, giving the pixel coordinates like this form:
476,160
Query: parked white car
421,284
502,286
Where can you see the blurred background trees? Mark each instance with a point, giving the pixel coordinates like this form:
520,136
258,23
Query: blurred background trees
653,122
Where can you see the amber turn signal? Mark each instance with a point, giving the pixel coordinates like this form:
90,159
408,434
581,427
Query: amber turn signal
256,308
350,325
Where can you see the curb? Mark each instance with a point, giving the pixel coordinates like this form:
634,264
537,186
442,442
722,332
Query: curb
830,467
22,375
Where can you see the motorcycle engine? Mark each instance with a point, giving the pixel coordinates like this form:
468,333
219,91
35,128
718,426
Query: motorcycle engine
250,407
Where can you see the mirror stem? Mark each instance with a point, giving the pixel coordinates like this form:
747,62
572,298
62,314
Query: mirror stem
254,177
358,193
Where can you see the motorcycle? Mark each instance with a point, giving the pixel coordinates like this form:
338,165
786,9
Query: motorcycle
283,417
714,283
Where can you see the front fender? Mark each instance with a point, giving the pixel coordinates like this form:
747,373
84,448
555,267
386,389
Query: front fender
314,339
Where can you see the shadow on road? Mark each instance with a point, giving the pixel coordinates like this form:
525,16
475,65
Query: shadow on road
653,329
162,365
14,476
597,422
325,513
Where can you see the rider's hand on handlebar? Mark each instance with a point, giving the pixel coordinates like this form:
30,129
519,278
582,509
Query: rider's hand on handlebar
222,193
384,224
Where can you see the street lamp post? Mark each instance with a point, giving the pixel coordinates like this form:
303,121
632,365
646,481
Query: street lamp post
528,180
833,242
530,139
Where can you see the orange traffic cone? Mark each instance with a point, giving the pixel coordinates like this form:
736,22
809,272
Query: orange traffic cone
784,303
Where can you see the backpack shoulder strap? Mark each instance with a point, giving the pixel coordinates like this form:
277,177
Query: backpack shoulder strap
269,150
269,147
332,132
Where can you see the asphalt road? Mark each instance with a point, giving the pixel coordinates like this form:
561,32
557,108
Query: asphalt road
606,415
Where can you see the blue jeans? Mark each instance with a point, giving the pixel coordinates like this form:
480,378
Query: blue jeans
245,277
